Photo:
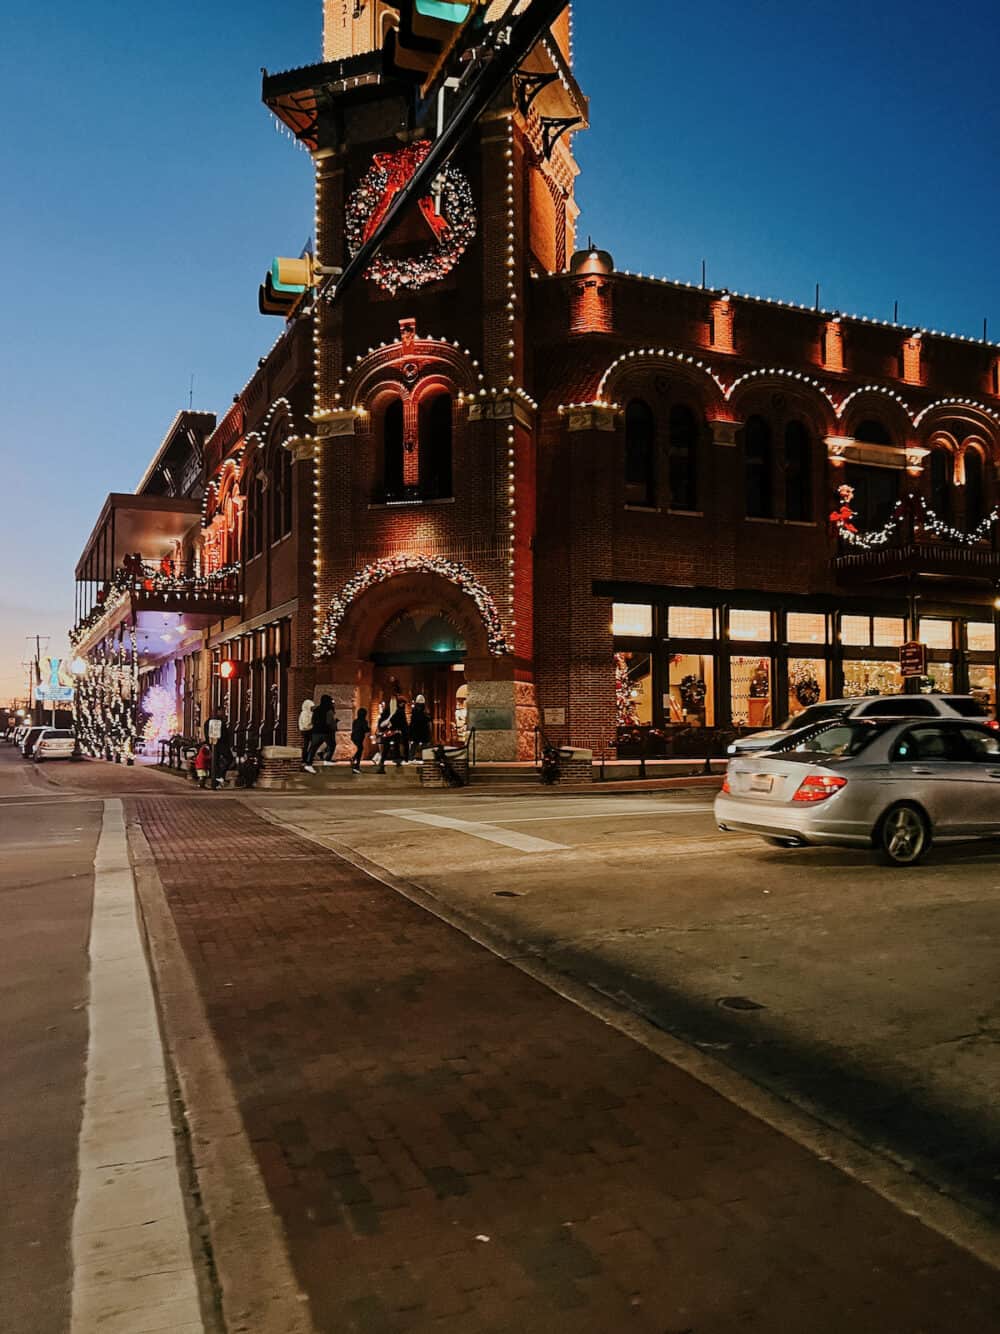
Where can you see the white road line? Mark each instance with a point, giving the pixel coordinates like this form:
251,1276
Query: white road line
594,815
132,1266
507,838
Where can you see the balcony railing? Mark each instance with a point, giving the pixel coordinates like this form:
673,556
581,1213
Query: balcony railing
168,585
916,541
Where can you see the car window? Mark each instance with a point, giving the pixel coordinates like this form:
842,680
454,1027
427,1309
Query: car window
929,744
900,708
839,739
967,706
815,713
983,746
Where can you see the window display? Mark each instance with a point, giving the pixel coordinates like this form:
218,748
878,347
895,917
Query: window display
690,698
940,678
633,689
806,683
872,678
750,692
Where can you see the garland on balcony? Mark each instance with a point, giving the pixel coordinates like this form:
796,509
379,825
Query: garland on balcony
842,521
151,579
380,570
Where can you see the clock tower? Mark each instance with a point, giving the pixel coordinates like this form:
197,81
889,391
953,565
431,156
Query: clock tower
425,421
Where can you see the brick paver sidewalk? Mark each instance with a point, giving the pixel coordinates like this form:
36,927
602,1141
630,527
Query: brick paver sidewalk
453,1148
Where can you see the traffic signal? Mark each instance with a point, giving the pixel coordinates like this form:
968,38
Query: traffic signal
231,669
426,28
285,286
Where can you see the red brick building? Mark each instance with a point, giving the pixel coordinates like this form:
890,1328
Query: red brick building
543,492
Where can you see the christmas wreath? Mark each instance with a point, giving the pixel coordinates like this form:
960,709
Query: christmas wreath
450,215
693,692
807,691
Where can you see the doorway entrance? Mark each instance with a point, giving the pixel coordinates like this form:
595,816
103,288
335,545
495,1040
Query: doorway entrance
423,653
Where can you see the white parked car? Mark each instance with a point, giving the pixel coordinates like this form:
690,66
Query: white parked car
55,744
868,706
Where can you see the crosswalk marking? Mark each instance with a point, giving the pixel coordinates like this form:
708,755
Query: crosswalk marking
507,838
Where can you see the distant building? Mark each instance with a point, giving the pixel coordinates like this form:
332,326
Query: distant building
546,493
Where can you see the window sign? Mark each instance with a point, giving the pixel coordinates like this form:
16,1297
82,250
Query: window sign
936,634
981,636
806,628
630,618
691,623
750,625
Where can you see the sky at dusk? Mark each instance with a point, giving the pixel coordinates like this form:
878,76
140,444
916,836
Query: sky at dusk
145,191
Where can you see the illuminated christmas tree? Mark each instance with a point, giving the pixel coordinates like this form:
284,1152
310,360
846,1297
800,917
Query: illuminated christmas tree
158,705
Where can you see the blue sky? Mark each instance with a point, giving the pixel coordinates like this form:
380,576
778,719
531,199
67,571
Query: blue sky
146,190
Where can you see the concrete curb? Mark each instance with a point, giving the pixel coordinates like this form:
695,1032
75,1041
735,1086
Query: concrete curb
258,1289
886,1178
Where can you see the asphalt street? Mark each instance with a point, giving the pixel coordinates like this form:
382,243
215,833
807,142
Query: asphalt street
863,994
46,888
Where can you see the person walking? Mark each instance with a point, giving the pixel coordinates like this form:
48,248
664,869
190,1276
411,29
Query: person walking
420,728
359,734
324,732
382,735
306,713
400,728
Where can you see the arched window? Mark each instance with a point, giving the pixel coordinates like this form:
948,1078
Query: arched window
941,479
640,454
281,493
757,468
255,517
798,473
683,458
975,498
435,426
392,450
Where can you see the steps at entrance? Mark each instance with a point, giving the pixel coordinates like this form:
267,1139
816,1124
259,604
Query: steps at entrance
504,775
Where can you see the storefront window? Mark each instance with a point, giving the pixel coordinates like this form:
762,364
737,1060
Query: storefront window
629,618
856,631
983,684
750,692
806,628
889,632
633,689
690,698
806,683
981,636
691,623
872,678
935,634
750,625
940,679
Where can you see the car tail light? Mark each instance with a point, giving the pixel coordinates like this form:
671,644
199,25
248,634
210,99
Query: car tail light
725,783
817,787
992,722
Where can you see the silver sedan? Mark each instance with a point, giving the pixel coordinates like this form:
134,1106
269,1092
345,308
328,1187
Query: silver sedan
892,785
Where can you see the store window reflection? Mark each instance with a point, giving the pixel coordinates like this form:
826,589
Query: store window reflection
690,697
983,684
750,692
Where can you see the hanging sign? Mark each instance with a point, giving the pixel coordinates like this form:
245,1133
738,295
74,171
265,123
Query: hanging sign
913,659
55,689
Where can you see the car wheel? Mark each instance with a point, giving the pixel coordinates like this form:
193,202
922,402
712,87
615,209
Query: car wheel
903,835
782,842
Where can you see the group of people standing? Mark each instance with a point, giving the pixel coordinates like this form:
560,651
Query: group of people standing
396,736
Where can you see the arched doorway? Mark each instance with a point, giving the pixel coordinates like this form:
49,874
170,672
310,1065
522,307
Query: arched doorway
421,651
